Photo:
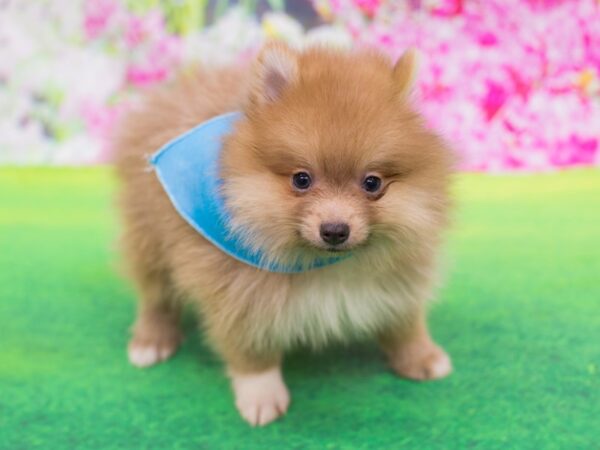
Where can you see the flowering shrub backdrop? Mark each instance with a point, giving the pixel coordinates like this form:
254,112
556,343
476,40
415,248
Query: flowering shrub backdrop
513,85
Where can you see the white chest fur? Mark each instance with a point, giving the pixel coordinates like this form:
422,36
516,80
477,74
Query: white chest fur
342,302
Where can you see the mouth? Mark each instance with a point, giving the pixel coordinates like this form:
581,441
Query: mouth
334,249
325,250
344,248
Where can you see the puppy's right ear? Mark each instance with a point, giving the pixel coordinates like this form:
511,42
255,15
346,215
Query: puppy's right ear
275,70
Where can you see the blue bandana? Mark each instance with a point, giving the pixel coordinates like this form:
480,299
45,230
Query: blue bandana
188,169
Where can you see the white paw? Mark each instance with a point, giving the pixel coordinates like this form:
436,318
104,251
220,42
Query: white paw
441,366
148,354
261,397
427,363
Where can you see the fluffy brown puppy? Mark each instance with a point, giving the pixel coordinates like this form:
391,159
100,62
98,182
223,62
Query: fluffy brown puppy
329,157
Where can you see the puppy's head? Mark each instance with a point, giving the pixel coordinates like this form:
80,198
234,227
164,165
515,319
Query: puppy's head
331,158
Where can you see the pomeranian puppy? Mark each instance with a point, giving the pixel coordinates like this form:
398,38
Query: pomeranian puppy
328,158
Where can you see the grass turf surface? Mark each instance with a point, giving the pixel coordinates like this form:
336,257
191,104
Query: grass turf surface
520,316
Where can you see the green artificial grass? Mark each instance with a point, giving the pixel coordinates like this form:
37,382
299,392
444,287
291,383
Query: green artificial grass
520,315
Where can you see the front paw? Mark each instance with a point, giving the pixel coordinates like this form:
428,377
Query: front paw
421,363
260,398
148,350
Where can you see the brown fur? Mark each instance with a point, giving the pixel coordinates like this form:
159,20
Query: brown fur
340,116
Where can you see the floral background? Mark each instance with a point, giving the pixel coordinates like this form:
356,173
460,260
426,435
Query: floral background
512,84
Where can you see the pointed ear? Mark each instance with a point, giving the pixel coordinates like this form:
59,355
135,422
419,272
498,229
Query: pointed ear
276,68
405,71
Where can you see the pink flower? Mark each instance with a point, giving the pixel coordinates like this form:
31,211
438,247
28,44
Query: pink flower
100,122
97,16
142,76
134,32
369,7
487,39
494,99
155,54
449,8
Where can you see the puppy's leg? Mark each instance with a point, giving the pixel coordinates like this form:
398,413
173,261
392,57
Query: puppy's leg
156,332
260,395
413,354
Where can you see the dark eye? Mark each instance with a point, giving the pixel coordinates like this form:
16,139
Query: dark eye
371,183
301,181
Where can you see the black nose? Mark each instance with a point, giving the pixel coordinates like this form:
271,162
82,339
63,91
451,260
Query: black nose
335,233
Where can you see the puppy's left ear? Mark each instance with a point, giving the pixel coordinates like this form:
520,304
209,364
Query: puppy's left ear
275,70
405,72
